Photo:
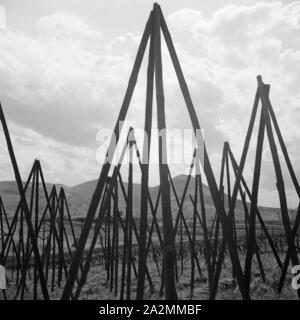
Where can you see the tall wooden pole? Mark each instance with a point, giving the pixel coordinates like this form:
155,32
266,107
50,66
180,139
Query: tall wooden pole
206,163
24,205
130,219
168,232
105,169
255,186
36,223
145,172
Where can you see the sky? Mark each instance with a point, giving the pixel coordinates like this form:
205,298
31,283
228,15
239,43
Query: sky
65,65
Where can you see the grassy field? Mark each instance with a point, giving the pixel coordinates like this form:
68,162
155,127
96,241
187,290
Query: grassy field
98,287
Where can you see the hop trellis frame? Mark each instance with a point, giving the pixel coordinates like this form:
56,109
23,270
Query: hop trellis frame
125,243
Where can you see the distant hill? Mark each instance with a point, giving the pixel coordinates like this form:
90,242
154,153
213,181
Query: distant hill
79,198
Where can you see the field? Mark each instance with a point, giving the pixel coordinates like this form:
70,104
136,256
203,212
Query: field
98,285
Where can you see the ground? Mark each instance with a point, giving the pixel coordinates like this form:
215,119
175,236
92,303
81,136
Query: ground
97,286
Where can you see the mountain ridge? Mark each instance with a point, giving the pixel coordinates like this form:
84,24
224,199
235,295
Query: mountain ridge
79,197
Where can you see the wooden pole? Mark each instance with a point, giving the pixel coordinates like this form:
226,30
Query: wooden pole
116,223
255,186
206,163
36,223
105,168
24,205
194,238
278,172
145,173
130,219
169,249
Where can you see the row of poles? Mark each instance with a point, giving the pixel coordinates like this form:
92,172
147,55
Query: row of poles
54,236
225,219
123,243
108,237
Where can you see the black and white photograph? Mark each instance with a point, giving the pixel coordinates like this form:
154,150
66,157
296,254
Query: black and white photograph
150,151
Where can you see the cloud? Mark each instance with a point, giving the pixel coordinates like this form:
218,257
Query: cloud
239,42
2,18
64,82
55,79
65,26
56,86
60,162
